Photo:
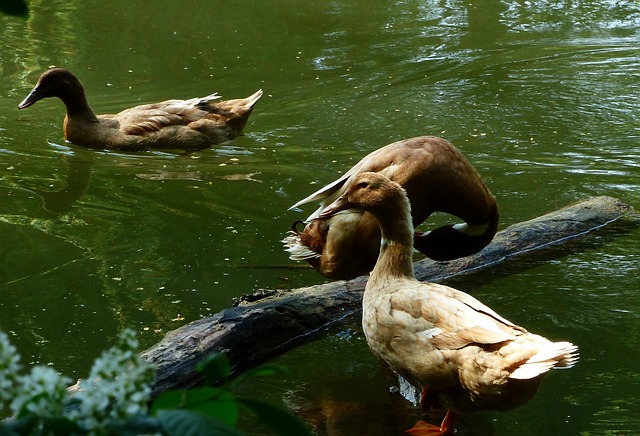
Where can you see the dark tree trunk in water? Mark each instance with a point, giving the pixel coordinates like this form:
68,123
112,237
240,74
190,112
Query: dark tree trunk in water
277,321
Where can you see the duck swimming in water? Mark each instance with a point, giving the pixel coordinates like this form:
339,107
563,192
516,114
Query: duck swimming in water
172,124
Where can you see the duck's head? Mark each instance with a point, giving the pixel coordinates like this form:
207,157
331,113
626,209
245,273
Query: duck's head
369,191
55,82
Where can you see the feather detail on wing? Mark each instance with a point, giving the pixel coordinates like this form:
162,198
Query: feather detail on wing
459,322
153,117
482,308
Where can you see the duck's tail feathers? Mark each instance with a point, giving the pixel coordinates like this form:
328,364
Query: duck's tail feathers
295,248
203,100
554,355
241,106
253,98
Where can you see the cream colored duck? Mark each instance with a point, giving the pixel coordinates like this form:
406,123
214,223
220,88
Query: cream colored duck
177,124
468,356
436,176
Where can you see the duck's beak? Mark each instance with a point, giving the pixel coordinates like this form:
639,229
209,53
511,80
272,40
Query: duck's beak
341,203
33,96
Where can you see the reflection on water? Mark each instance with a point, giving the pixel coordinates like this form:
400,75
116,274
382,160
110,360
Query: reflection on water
541,97
77,183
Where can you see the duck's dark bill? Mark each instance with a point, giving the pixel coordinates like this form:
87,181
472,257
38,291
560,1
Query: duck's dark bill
29,100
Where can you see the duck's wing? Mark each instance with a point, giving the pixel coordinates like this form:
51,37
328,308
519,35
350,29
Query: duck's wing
451,318
479,307
153,117
324,192
378,160
479,324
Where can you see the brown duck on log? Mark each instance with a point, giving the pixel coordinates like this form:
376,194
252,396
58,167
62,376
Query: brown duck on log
437,178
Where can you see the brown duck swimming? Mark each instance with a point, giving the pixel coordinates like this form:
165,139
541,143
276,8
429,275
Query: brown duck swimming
462,354
178,124
437,178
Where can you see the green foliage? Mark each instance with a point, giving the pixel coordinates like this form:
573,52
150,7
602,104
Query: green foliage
186,423
34,425
188,412
214,368
214,402
114,399
279,421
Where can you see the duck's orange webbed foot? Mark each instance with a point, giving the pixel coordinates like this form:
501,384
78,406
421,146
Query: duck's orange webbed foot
425,429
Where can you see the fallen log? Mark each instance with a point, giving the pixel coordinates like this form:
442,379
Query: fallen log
256,331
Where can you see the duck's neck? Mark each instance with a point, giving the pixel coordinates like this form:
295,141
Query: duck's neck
396,245
78,106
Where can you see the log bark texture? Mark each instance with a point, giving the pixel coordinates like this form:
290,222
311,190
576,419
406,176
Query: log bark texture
254,332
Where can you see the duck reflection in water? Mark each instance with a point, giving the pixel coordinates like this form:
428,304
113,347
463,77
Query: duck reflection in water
79,173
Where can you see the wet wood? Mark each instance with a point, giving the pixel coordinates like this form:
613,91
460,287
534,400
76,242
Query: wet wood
269,323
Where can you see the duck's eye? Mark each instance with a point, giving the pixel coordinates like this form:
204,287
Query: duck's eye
362,185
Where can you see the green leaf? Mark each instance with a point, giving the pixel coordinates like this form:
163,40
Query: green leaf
14,7
224,409
167,400
16,427
268,369
186,423
61,426
180,399
198,395
214,367
279,421
33,425
214,402
135,426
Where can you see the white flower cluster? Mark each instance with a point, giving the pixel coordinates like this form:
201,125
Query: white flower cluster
41,393
9,368
118,387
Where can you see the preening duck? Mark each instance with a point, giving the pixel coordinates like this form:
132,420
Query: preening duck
461,353
178,124
437,178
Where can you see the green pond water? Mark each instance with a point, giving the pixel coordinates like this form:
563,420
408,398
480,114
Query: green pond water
542,97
